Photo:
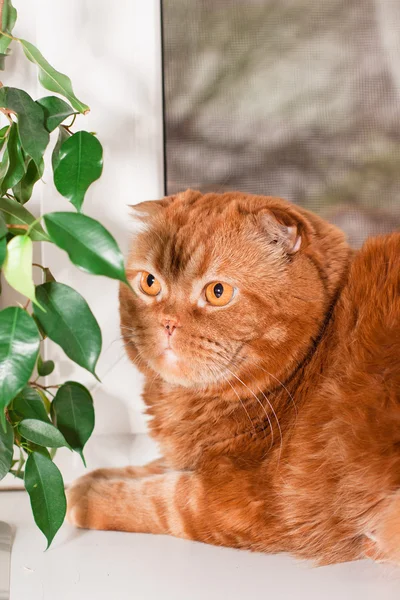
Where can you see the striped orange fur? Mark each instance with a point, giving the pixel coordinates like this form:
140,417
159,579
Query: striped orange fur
277,414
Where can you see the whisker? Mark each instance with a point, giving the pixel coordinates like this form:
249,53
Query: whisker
138,357
278,381
122,338
153,380
262,406
240,400
132,329
278,424
110,368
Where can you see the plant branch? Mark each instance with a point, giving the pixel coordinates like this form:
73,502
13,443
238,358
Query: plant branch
67,127
39,266
8,34
32,225
43,387
1,12
20,462
16,226
7,112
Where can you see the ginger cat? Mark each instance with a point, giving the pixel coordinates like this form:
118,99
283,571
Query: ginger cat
272,357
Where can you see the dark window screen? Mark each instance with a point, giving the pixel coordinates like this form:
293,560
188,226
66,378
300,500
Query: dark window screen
294,98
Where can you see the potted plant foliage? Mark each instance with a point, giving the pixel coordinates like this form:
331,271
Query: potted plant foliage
36,418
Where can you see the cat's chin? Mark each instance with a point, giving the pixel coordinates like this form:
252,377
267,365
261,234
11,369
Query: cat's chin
169,366
173,370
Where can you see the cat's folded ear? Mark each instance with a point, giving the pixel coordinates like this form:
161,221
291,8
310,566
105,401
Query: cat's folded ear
285,228
144,211
149,208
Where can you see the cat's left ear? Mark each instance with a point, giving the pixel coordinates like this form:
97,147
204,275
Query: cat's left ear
144,211
149,208
291,238
284,229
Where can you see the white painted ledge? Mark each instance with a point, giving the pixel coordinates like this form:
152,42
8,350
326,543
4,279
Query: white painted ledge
82,565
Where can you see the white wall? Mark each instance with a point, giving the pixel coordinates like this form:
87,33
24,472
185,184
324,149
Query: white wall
111,51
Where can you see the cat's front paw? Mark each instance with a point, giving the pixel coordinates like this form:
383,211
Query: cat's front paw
84,502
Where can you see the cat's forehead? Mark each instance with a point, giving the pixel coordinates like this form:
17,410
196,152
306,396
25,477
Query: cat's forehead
181,252
187,251
190,235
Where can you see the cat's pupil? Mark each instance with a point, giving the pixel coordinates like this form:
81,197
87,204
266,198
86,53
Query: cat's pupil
218,290
150,280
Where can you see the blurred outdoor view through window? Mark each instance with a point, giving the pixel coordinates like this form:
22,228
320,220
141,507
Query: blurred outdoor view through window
293,98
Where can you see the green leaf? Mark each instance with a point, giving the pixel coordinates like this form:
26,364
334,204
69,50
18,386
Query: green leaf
70,323
55,111
24,188
80,164
40,329
3,251
3,227
32,132
16,161
19,347
3,133
15,214
9,18
74,414
45,486
89,245
6,449
63,135
17,268
40,449
4,164
29,405
42,433
45,367
53,80
45,399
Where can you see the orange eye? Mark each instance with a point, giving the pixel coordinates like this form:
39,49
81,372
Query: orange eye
149,284
218,293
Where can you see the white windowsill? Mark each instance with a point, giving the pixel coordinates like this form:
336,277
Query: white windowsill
82,565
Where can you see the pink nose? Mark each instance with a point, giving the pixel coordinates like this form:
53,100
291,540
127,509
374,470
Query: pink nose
169,325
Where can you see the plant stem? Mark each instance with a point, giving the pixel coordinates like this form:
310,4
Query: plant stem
32,225
67,127
21,461
16,226
9,34
1,12
7,112
39,266
43,387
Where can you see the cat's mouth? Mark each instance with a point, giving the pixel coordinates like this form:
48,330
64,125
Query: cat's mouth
180,367
170,365
177,367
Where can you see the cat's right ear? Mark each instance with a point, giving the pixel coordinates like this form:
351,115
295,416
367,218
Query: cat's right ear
144,211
